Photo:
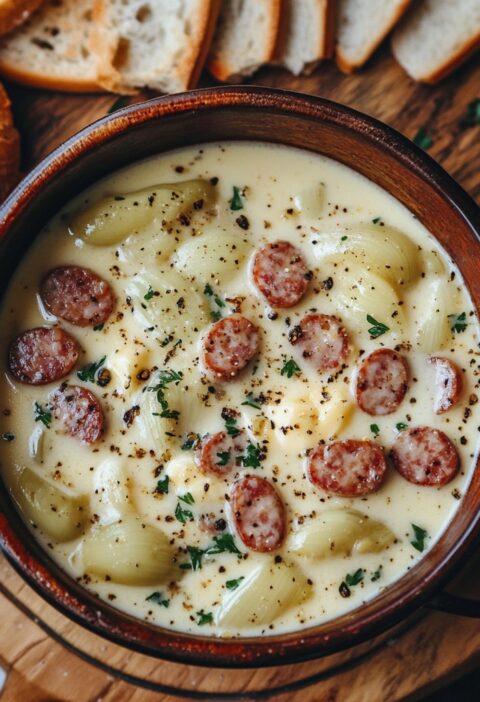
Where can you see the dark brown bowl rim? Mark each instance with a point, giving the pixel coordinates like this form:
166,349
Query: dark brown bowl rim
58,589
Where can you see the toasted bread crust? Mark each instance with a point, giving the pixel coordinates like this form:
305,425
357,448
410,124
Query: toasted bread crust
9,147
211,23
347,66
15,12
46,82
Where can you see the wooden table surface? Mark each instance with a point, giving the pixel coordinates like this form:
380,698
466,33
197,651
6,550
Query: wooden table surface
439,647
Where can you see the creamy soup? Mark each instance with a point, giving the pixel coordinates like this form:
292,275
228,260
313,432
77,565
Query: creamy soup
240,389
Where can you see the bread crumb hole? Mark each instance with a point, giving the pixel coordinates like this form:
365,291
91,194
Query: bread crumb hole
144,13
121,53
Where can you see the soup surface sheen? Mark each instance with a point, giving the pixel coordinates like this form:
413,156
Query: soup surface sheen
131,511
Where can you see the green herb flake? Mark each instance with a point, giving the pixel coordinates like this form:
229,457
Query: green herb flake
290,368
223,544
401,426
473,112
196,555
458,322
377,574
191,440
158,598
230,424
89,372
99,327
252,401
377,220
42,415
223,458
118,104
253,456
204,617
352,579
422,139
149,294
162,485
187,498
375,429
344,237
183,515
164,378
214,299
378,328
236,203
419,537
233,584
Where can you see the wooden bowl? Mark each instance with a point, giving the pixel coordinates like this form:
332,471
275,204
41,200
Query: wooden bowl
216,114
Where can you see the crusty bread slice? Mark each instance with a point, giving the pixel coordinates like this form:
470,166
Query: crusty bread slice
9,147
52,49
308,34
15,12
436,36
245,38
361,26
159,44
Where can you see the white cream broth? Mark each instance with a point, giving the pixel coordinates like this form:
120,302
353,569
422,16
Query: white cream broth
291,195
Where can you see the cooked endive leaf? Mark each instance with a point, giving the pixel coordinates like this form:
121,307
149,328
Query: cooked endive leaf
340,532
128,552
213,257
271,589
110,497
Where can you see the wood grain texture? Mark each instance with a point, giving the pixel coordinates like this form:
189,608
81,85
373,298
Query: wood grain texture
438,647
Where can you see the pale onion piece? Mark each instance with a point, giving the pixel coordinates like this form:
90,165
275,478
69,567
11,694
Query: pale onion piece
433,264
335,413
59,515
359,293
185,477
434,331
111,494
213,258
115,217
125,366
340,532
36,444
311,201
269,591
128,552
384,250
175,307
148,248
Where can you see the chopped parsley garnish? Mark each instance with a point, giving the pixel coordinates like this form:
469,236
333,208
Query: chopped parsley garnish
118,104
419,537
290,368
230,423
401,426
236,203
204,617
375,429
252,401
458,322
377,574
223,544
253,456
89,372
99,327
162,485
344,237
149,294
422,139
183,515
42,415
165,377
191,440
196,555
158,598
223,458
215,300
187,498
377,220
233,584
378,328
473,112
352,579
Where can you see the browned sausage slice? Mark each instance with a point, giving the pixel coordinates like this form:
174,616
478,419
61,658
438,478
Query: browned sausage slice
322,341
258,513
218,453
425,456
79,412
448,382
281,274
348,468
382,382
229,345
42,355
77,295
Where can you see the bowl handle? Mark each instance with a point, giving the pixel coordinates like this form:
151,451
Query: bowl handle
453,604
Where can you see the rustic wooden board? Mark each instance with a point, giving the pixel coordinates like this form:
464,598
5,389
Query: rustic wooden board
438,647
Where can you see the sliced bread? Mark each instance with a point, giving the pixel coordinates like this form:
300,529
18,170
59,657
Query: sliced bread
308,35
361,26
245,38
159,44
15,12
436,36
9,147
52,49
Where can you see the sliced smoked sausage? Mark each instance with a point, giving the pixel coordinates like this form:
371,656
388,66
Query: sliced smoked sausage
425,456
348,468
448,383
78,412
382,382
229,345
219,453
258,513
42,355
281,274
77,295
322,340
